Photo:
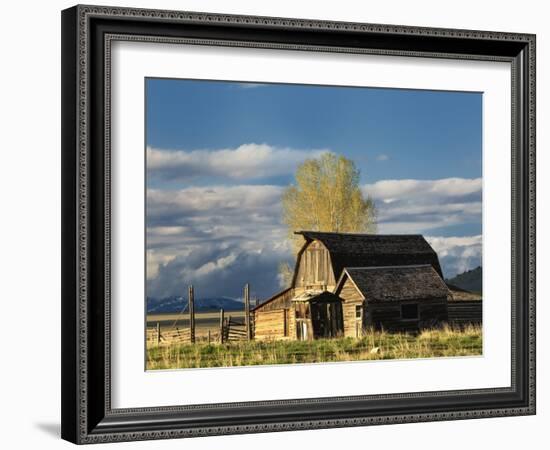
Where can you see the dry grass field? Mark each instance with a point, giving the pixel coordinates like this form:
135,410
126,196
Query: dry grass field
375,345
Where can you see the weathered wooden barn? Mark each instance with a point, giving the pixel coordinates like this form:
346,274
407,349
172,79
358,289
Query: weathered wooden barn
339,285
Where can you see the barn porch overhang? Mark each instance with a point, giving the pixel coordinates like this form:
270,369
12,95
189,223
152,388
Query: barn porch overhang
316,296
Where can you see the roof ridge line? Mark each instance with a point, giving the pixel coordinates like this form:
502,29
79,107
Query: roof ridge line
355,234
388,267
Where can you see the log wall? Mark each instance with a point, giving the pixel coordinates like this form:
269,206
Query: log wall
387,316
465,312
274,325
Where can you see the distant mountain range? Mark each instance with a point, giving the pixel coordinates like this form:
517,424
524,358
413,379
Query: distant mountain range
175,304
471,280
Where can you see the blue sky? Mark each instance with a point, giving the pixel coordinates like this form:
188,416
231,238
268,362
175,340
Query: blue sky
220,153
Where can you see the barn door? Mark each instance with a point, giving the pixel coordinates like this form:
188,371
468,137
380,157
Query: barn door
336,319
303,327
319,315
302,333
326,319
303,321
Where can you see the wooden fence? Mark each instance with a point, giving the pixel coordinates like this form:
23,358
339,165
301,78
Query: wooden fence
168,337
230,330
234,330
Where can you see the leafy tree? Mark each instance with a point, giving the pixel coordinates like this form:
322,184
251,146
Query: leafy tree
326,196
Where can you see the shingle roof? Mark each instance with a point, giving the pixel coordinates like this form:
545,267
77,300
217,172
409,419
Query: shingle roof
459,294
383,284
370,250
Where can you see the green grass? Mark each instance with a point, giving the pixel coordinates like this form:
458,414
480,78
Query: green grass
374,345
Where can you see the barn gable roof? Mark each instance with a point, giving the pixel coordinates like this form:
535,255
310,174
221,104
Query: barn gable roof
395,283
374,250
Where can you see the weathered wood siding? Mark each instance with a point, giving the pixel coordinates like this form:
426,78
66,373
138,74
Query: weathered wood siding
353,325
273,325
349,293
465,312
291,323
278,301
387,316
314,268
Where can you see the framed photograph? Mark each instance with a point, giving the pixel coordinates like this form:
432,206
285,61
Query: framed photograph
268,222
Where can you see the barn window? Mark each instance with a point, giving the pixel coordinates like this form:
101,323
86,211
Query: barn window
409,311
358,311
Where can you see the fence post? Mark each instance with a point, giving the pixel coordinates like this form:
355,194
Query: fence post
247,310
158,333
208,336
191,314
221,326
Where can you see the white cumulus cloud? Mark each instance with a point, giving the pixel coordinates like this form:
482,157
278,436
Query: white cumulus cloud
457,254
417,206
248,161
228,235
216,234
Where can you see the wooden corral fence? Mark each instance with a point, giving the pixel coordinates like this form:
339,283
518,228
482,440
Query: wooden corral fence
465,312
176,335
233,330
230,329
167,337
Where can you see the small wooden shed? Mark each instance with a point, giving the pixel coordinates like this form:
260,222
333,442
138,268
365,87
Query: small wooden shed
394,298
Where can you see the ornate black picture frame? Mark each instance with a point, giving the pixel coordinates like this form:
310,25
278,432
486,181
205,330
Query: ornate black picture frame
87,33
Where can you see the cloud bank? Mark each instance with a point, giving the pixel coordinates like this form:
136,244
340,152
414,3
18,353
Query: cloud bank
221,236
457,254
419,206
212,237
248,161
